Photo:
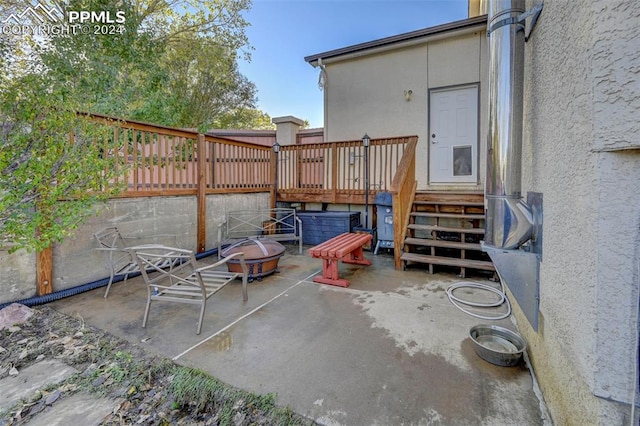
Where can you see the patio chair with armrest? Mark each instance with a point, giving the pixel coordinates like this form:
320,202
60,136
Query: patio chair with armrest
184,282
117,259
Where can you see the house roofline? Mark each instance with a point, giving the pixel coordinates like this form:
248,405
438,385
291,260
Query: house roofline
240,132
312,131
465,24
258,132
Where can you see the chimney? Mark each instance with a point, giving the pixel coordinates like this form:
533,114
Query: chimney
287,128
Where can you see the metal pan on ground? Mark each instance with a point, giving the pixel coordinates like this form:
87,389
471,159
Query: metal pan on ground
497,345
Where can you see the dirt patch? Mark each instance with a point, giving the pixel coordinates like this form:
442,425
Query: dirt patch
151,390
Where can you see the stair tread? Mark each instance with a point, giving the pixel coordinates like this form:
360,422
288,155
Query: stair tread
421,227
450,261
450,203
448,215
448,196
440,243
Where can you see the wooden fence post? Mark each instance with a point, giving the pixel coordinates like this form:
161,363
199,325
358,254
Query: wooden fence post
334,172
201,194
274,178
44,271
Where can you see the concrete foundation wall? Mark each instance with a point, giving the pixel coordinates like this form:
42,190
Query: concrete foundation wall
218,205
75,261
18,277
584,350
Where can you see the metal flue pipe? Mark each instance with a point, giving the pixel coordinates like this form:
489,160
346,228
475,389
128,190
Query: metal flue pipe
509,222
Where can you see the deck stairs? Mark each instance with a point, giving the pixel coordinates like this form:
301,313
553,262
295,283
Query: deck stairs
444,232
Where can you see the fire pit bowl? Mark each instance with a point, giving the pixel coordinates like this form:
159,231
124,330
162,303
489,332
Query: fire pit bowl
260,254
497,345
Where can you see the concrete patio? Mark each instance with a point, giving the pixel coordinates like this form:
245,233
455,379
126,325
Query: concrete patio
390,349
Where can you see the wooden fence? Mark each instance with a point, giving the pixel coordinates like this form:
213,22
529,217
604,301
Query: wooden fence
335,172
165,161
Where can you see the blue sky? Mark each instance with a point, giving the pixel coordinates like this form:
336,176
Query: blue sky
283,32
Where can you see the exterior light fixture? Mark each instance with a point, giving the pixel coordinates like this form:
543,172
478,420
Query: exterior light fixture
407,95
276,149
366,141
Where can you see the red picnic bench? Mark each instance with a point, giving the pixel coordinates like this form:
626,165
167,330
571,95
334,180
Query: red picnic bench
346,247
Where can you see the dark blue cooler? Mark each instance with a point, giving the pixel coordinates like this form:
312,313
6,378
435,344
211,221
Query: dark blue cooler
320,226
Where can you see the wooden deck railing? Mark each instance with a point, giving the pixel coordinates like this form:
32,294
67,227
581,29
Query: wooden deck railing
167,161
334,172
237,166
159,161
403,190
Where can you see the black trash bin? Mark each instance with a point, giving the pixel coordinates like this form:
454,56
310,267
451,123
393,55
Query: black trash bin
384,205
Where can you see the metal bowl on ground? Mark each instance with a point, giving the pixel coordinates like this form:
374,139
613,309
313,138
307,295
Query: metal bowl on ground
260,254
497,345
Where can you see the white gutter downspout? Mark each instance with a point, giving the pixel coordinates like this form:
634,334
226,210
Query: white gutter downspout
512,227
322,78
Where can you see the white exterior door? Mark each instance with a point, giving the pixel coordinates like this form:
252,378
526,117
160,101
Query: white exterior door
453,135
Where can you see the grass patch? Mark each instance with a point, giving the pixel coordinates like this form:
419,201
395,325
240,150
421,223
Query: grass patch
196,391
151,390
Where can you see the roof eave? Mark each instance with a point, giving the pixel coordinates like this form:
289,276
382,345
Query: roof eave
361,48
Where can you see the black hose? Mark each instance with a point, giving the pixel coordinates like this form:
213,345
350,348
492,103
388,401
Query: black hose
61,294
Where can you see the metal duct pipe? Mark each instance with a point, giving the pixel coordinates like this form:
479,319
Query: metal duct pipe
509,221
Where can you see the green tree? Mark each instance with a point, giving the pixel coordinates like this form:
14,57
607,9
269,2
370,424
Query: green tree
247,118
174,64
198,85
48,180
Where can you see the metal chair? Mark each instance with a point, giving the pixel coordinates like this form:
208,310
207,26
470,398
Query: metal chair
117,259
184,282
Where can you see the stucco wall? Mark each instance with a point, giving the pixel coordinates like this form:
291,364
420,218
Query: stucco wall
75,261
584,351
366,94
